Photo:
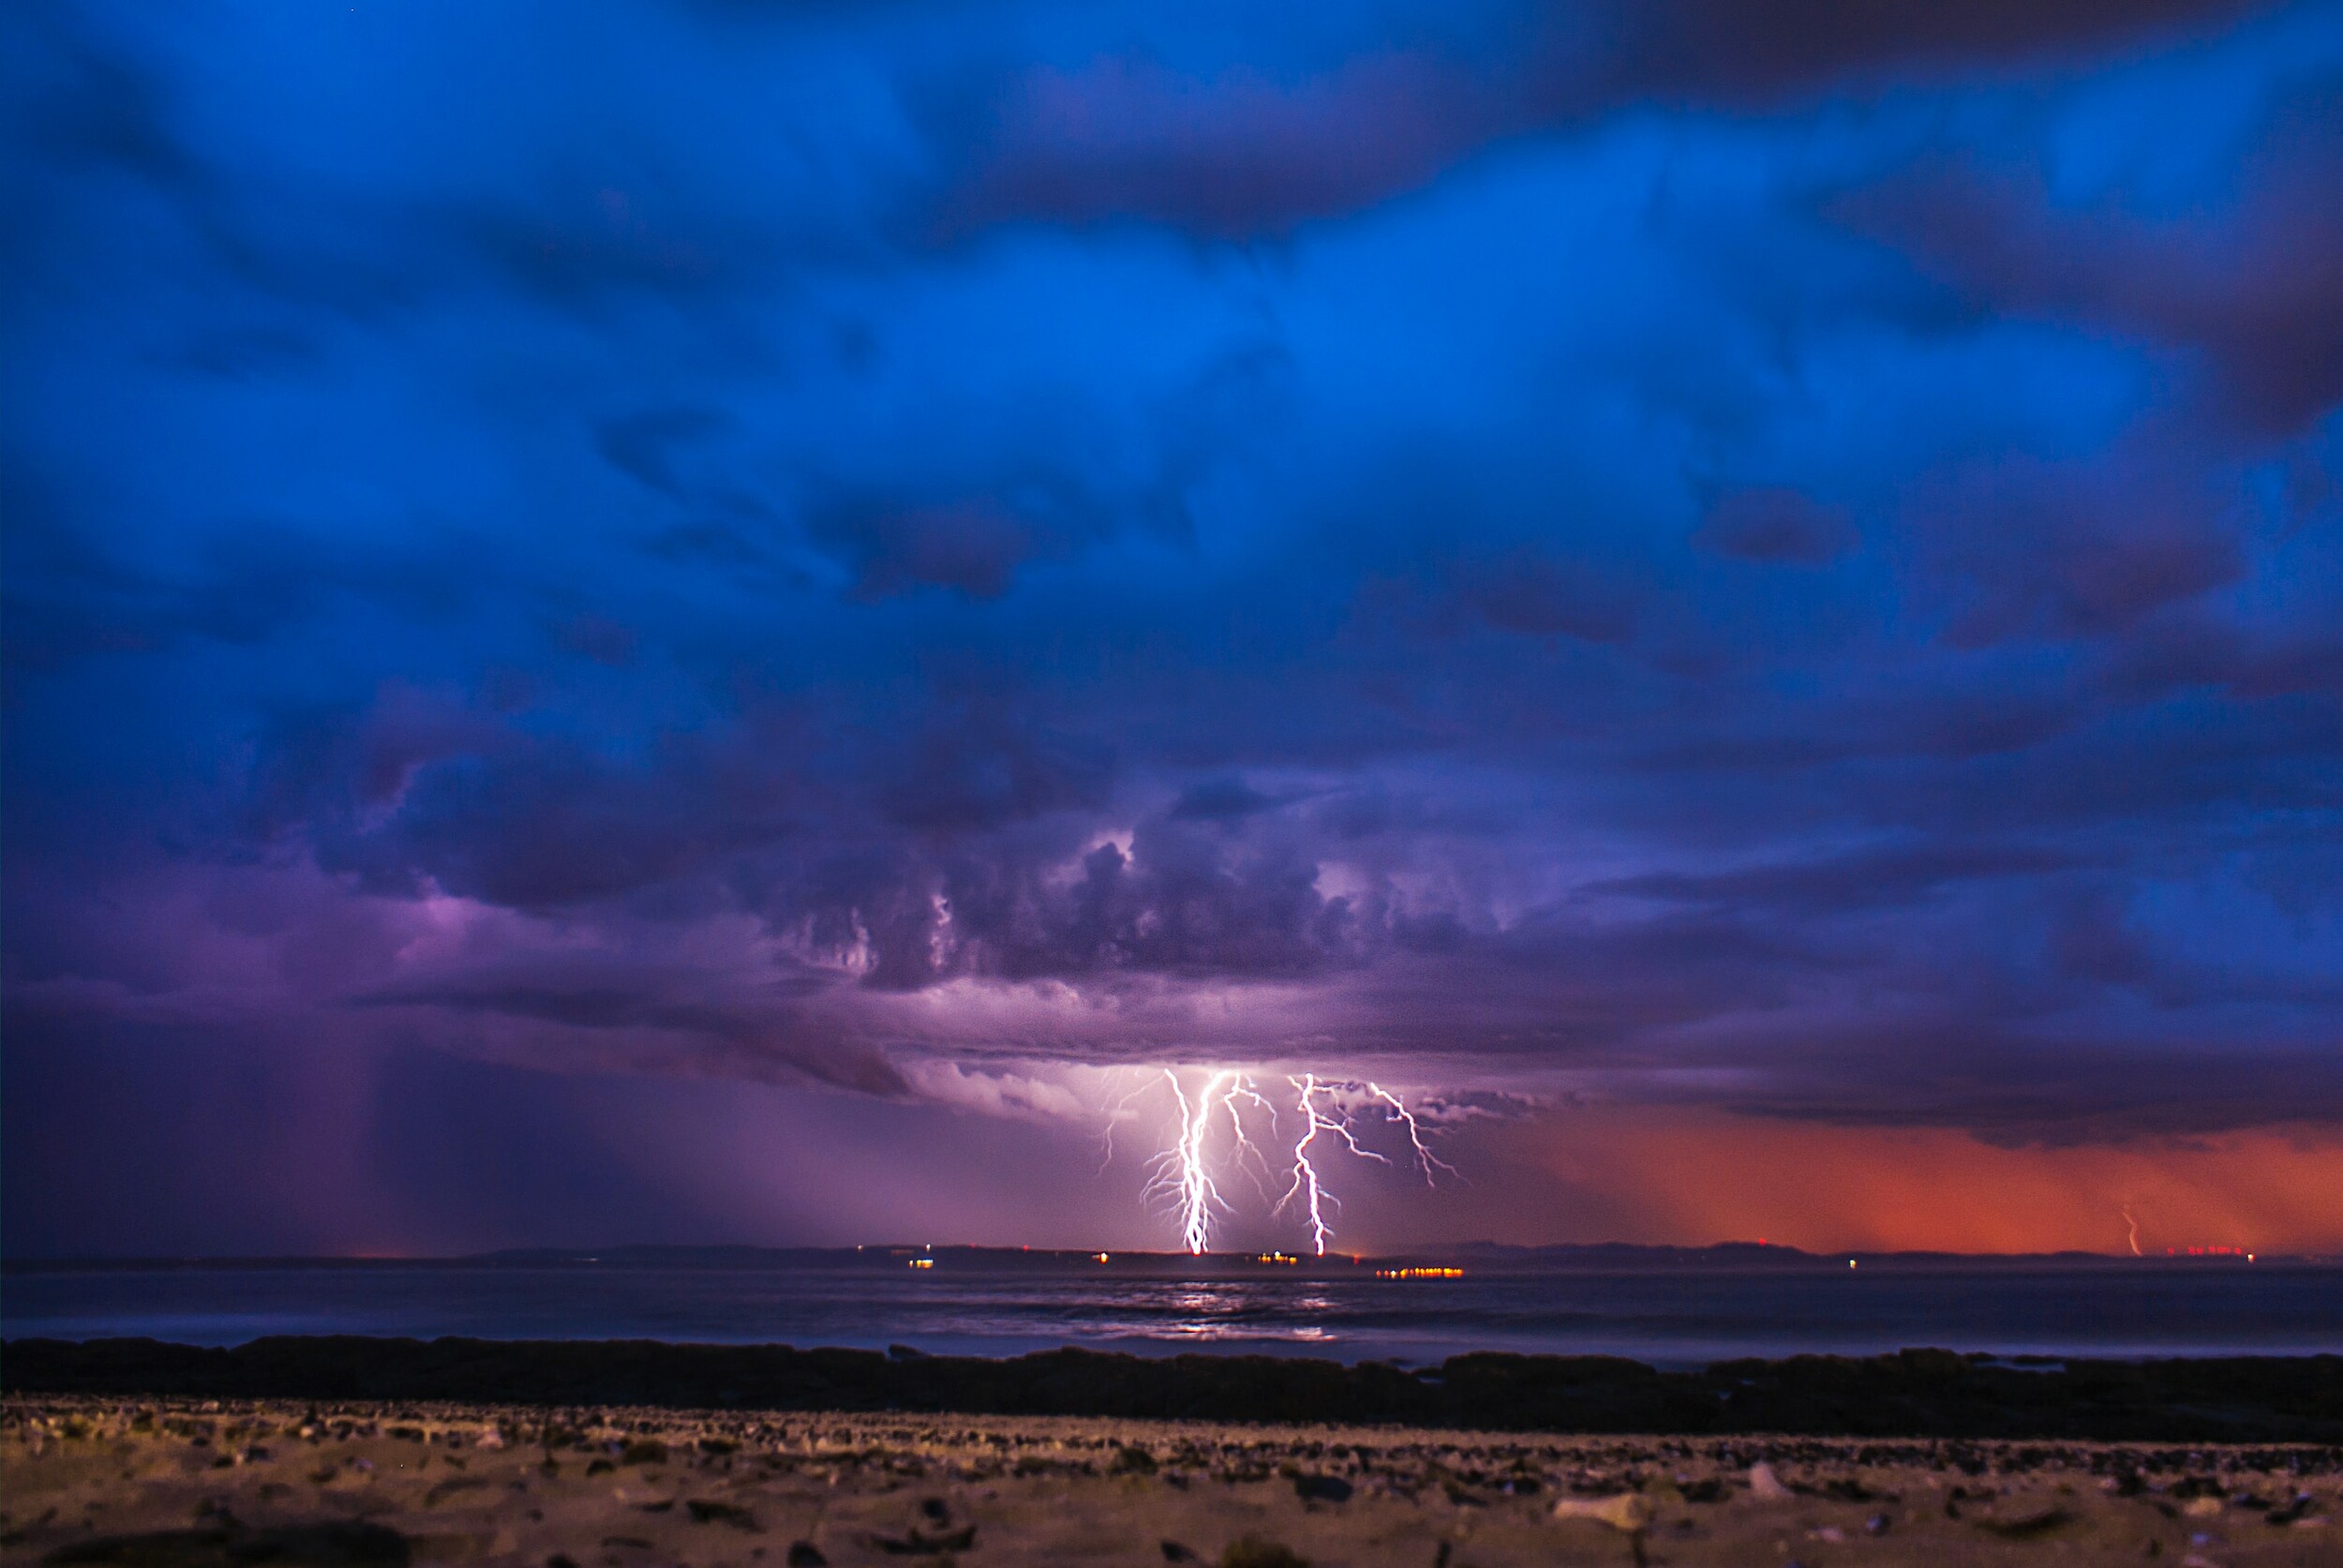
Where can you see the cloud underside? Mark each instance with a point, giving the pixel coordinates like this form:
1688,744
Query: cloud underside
1783,558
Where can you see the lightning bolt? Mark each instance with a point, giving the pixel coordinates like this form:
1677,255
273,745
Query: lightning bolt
2135,1231
1242,1090
1306,1184
1182,1177
1113,1115
1181,1173
1425,1157
1197,1196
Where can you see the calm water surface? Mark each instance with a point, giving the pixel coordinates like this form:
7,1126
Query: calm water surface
1673,1317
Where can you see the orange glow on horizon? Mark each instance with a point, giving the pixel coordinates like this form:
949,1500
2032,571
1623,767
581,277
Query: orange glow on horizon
1697,1177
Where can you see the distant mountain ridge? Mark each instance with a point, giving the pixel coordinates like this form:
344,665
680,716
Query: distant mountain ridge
1472,1254
1487,1254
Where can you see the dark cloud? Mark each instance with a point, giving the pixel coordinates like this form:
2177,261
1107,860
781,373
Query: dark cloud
1226,798
1729,44
2248,275
1232,154
82,101
1540,597
1775,525
1179,903
974,548
636,1014
644,445
1342,118
1846,883
978,770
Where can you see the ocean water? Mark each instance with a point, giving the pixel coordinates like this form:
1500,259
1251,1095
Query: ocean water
1679,1314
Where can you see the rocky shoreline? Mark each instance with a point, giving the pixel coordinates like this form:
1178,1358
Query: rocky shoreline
1916,1394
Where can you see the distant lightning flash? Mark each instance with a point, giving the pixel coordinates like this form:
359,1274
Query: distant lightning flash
1306,1184
1115,1113
1424,1155
1304,1173
1182,1174
2135,1231
1243,1087
1197,1195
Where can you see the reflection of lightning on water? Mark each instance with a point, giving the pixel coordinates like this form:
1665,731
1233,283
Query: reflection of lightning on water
1182,1177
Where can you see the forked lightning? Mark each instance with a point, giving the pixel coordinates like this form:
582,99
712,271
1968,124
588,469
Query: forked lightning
1180,1178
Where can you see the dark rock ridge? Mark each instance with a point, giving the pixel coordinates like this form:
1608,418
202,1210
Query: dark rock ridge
1912,1394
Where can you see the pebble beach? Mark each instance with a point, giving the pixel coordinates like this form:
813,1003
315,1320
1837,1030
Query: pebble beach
193,1483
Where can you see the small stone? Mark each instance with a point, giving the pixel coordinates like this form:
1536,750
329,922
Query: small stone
1764,1485
805,1553
2029,1526
1628,1511
706,1512
1174,1552
1321,1488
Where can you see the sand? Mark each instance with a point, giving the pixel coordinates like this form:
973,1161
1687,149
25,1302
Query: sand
158,1483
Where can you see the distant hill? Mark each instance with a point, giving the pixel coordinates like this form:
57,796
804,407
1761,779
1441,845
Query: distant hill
1473,1255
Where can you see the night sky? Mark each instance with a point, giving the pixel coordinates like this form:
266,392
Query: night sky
716,620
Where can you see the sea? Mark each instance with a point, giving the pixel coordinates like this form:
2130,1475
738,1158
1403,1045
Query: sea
1671,1308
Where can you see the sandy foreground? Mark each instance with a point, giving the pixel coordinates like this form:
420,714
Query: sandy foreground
162,1483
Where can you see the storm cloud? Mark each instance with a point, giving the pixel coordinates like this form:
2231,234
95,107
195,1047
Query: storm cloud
1784,560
